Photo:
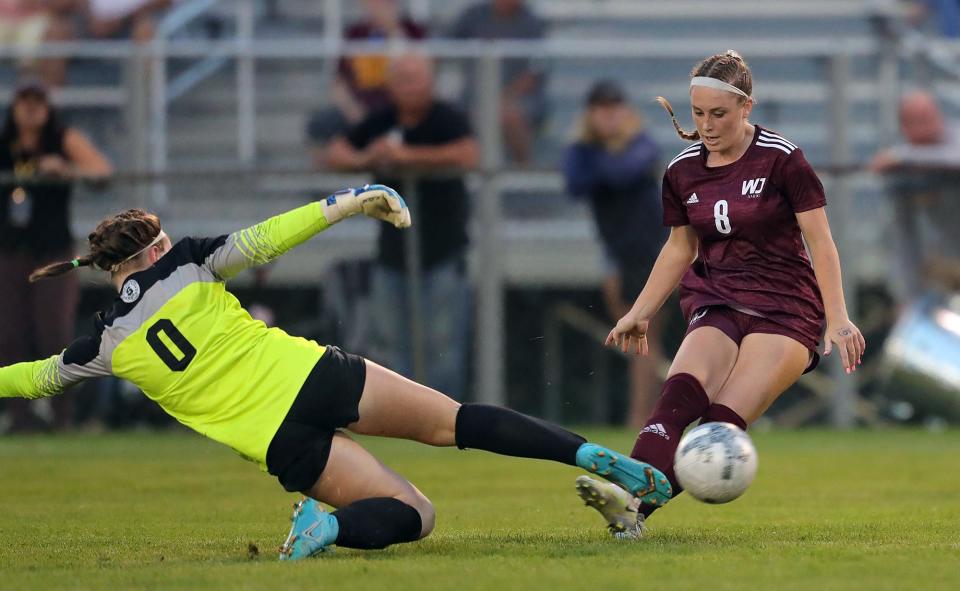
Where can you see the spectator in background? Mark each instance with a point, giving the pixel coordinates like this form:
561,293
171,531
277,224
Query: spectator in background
39,157
128,19
28,23
524,104
361,83
418,132
941,15
923,175
614,165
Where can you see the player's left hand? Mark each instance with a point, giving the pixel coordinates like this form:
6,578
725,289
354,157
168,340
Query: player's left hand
849,342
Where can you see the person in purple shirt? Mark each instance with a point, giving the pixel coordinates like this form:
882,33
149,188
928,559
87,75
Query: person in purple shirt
614,164
739,202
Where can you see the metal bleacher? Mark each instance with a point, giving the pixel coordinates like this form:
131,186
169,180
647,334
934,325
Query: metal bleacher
207,123
791,91
549,239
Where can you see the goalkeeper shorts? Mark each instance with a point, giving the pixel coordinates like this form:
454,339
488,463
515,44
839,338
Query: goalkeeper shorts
328,400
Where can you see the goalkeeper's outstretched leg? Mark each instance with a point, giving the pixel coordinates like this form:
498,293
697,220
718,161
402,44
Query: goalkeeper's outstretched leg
376,506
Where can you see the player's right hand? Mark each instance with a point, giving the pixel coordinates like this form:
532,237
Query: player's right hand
383,203
630,335
375,201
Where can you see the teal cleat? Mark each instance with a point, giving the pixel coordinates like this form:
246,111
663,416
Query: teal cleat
313,531
638,478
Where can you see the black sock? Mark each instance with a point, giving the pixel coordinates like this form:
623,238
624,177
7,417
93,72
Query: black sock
371,524
507,432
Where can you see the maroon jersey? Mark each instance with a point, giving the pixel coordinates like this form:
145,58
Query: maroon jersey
751,252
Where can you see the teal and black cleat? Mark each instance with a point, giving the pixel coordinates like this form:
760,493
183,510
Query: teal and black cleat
313,531
638,478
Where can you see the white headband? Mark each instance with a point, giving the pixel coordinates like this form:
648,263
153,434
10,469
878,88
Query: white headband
156,241
717,84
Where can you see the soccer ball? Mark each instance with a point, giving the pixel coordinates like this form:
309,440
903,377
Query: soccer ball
715,462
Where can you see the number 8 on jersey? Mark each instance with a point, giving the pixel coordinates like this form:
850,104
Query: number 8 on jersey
721,217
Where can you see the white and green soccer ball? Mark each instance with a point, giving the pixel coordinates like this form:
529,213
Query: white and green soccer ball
715,462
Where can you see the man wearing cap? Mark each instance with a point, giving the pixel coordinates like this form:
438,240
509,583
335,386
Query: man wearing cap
614,165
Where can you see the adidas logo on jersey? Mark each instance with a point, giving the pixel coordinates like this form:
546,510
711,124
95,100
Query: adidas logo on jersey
656,429
699,315
693,199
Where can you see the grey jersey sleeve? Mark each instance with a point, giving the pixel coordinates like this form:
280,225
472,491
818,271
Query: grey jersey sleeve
83,359
225,256
38,379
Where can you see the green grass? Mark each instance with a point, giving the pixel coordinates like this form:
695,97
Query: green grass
857,510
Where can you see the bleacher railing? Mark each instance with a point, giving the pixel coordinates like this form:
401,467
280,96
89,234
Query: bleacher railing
151,84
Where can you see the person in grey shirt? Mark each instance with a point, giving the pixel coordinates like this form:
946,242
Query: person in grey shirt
524,105
923,179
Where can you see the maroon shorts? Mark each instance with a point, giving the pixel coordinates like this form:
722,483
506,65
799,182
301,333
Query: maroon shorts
736,325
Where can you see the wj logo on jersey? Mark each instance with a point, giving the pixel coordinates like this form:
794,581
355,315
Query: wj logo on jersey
753,188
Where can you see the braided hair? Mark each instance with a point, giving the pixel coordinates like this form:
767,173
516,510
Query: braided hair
115,239
729,67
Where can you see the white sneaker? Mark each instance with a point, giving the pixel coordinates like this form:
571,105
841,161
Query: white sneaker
618,507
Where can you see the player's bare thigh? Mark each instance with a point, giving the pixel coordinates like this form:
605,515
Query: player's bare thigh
708,355
768,364
353,474
393,406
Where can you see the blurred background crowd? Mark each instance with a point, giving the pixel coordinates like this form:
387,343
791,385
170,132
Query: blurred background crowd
525,137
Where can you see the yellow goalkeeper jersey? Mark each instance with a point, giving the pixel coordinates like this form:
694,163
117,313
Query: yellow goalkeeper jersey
181,337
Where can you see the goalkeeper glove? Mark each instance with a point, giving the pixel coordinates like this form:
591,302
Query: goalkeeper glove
375,201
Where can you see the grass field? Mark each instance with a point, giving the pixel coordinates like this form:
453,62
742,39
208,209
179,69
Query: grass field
860,510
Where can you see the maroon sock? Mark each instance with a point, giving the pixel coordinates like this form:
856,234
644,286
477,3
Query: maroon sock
716,413
719,413
683,401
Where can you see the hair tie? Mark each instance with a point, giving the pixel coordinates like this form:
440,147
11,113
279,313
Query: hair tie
75,263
